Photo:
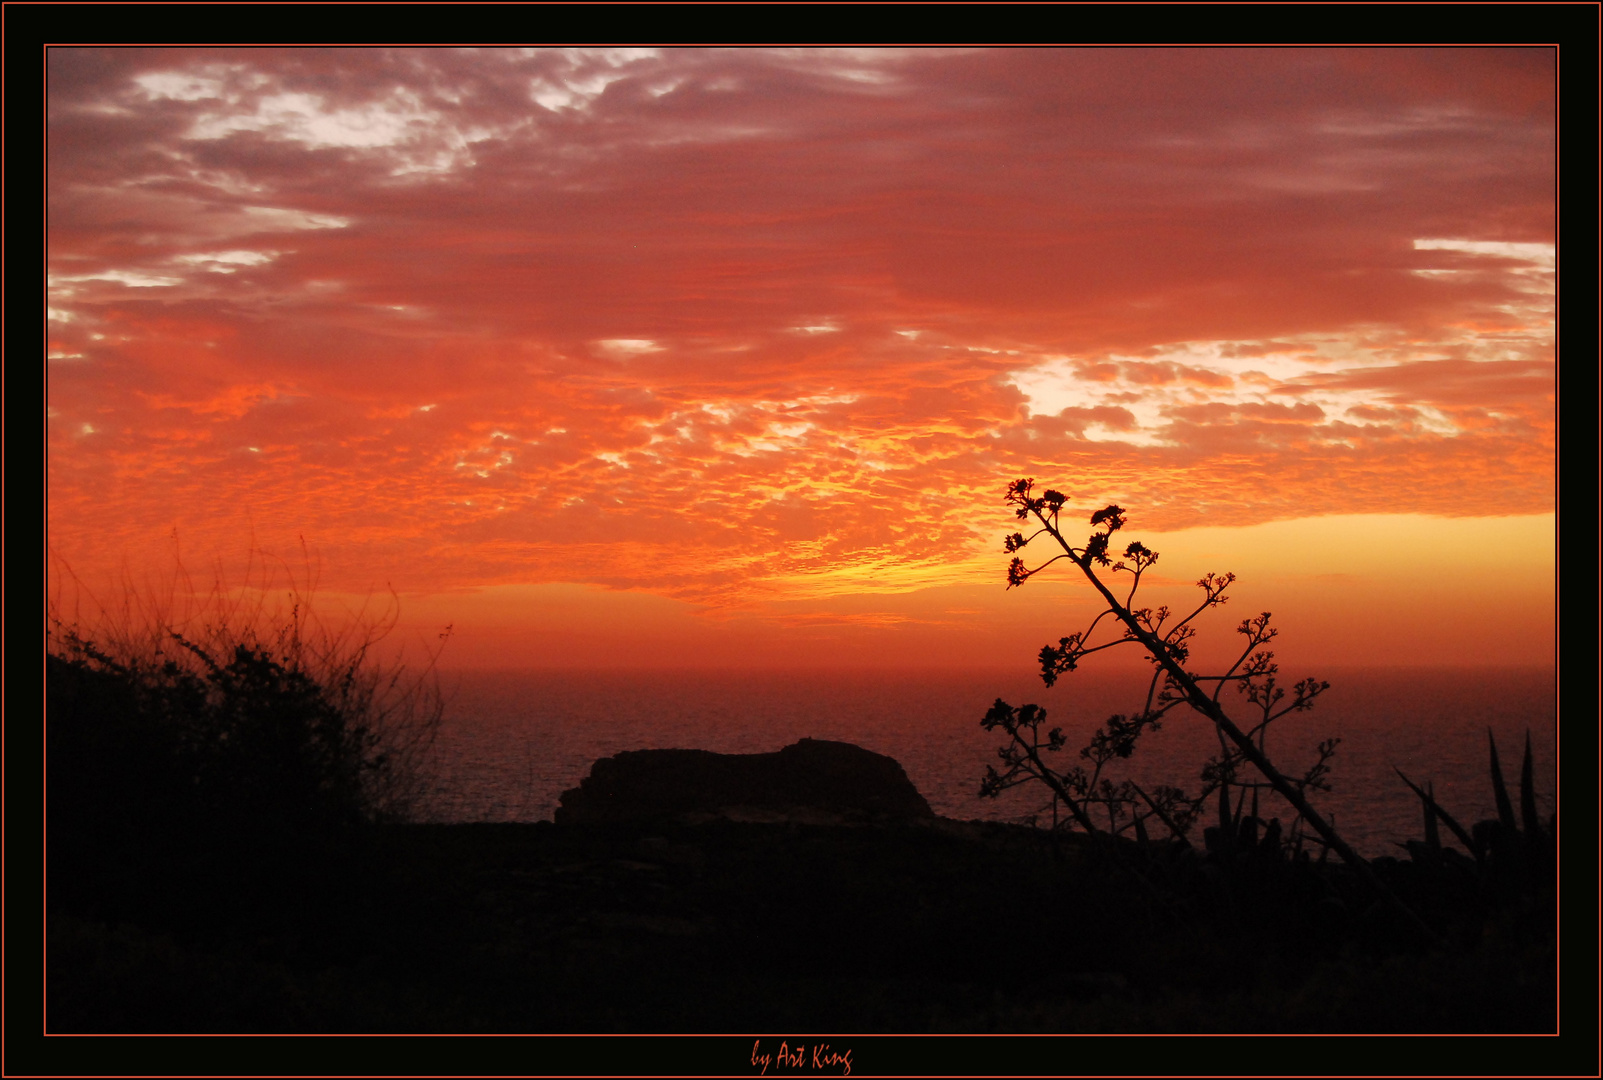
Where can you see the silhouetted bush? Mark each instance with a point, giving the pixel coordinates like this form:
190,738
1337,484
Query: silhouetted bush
208,751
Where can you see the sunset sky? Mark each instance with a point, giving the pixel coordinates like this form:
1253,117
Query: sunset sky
635,357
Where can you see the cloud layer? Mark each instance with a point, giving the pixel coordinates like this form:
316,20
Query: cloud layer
752,327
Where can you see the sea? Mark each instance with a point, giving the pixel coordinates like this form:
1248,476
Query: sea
512,742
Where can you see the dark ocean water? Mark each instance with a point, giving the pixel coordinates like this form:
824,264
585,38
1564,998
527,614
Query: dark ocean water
513,741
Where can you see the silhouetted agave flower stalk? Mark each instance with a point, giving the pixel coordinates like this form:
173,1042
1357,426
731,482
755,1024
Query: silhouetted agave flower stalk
1166,640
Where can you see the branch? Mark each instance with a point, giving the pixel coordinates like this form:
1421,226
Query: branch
1201,702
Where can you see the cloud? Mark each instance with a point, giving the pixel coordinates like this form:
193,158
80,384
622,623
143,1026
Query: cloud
737,325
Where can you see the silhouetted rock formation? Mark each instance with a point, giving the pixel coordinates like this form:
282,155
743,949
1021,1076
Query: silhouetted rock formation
813,780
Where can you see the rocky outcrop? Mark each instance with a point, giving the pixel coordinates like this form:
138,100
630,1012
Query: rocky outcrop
813,780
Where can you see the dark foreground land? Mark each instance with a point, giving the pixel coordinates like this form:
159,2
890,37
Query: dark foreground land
212,866
739,926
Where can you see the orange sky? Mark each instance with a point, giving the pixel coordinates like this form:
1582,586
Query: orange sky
637,357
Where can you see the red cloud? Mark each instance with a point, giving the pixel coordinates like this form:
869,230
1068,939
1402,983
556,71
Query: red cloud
709,323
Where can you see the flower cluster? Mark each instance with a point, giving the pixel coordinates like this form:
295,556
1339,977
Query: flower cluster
1166,641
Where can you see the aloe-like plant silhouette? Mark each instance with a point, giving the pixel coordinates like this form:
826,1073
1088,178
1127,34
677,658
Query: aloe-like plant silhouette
1166,639
1509,852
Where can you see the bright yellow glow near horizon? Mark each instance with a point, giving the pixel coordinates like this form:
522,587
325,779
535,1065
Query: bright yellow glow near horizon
726,357
1350,589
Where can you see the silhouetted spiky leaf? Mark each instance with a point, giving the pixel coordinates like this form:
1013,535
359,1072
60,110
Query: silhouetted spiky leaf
1505,809
1458,830
1433,836
1249,831
1533,823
